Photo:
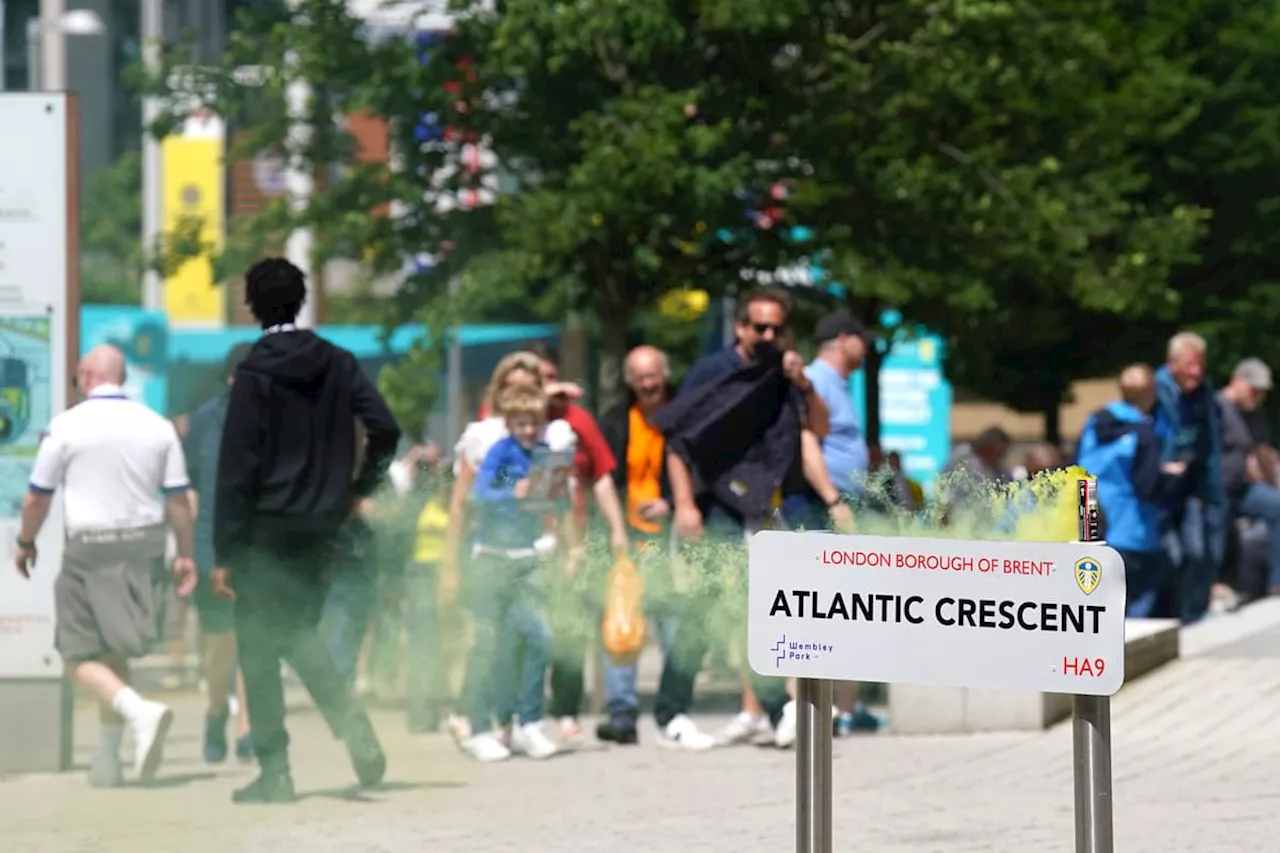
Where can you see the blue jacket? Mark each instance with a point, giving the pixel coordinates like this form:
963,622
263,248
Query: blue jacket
737,426
1119,446
1202,451
503,522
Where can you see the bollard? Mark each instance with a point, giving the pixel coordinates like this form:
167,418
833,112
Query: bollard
1091,727
813,765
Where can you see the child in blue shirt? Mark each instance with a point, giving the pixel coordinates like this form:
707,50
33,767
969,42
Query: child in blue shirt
523,480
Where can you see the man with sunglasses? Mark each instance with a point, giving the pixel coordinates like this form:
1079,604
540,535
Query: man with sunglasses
760,330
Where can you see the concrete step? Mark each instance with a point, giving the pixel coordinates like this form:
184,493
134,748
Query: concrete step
1149,645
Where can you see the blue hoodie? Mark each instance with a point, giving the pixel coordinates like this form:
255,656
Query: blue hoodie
1188,428
1120,446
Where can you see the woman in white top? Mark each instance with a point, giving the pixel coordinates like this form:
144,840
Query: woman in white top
515,370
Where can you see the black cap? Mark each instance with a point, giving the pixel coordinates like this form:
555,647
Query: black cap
833,326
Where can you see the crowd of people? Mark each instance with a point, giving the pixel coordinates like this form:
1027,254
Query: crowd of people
307,539
1188,482
306,545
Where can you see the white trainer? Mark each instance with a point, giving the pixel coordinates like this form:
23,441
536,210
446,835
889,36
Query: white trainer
486,748
150,728
784,735
532,741
459,728
745,728
683,733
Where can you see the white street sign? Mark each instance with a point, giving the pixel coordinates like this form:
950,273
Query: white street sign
1046,617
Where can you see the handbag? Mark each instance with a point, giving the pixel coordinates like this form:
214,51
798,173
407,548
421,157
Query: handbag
623,626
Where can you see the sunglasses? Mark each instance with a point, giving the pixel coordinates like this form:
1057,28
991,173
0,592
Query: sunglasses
765,328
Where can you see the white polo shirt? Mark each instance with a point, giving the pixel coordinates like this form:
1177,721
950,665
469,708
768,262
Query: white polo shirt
113,459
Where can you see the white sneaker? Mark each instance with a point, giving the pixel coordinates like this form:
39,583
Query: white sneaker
459,729
150,728
532,741
784,735
570,730
745,728
683,733
486,748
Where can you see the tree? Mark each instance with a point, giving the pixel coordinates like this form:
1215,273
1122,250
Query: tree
1225,160
111,258
987,177
630,134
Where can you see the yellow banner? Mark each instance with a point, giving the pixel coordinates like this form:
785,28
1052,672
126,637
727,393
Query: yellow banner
193,181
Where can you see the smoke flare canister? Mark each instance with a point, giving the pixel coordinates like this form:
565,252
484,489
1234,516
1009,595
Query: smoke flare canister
1089,514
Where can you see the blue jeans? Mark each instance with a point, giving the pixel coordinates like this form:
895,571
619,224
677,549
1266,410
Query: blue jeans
507,669
1262,501
692,639
1194,545
348,607
426,689
1146,576
622,700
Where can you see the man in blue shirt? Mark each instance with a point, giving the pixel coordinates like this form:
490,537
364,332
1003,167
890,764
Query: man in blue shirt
1119,446
842,344
217,614
1194,518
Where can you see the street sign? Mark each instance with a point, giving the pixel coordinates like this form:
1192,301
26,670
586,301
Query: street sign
1046,617
915,406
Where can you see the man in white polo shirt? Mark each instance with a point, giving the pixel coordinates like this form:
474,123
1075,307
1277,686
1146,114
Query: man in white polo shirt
113,458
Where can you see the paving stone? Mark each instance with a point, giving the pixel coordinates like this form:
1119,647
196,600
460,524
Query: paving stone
1196,748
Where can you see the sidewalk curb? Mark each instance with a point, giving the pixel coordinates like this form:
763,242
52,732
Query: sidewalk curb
1219,631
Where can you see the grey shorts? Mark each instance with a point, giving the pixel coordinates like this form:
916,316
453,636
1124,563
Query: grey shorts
111,593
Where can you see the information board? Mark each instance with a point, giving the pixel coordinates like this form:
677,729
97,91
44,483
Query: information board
915,406
1045,617
37,227
143,337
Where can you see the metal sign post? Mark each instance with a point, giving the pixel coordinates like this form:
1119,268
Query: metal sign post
1091,727
813,765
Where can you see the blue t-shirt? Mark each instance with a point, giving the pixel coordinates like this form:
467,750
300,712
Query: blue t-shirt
202,446
506,522
845,447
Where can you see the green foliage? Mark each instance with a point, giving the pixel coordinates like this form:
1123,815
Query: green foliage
1226,159
111,257
989,178
1028,179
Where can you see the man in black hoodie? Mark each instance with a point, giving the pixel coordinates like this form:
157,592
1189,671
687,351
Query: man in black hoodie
284,497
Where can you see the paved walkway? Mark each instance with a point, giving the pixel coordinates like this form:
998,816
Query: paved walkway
1196,751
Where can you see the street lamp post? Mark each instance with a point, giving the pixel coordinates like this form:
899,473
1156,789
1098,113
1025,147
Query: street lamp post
47,41
152,198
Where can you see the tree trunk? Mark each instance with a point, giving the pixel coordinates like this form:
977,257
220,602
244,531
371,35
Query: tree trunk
868,310
573,352
615,320
871,373
1051,411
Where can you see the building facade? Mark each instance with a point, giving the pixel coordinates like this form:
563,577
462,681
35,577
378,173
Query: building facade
98,66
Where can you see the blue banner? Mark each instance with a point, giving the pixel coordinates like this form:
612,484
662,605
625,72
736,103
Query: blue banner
143,337
915,406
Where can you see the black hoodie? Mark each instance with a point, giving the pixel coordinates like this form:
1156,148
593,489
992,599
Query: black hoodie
285,470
